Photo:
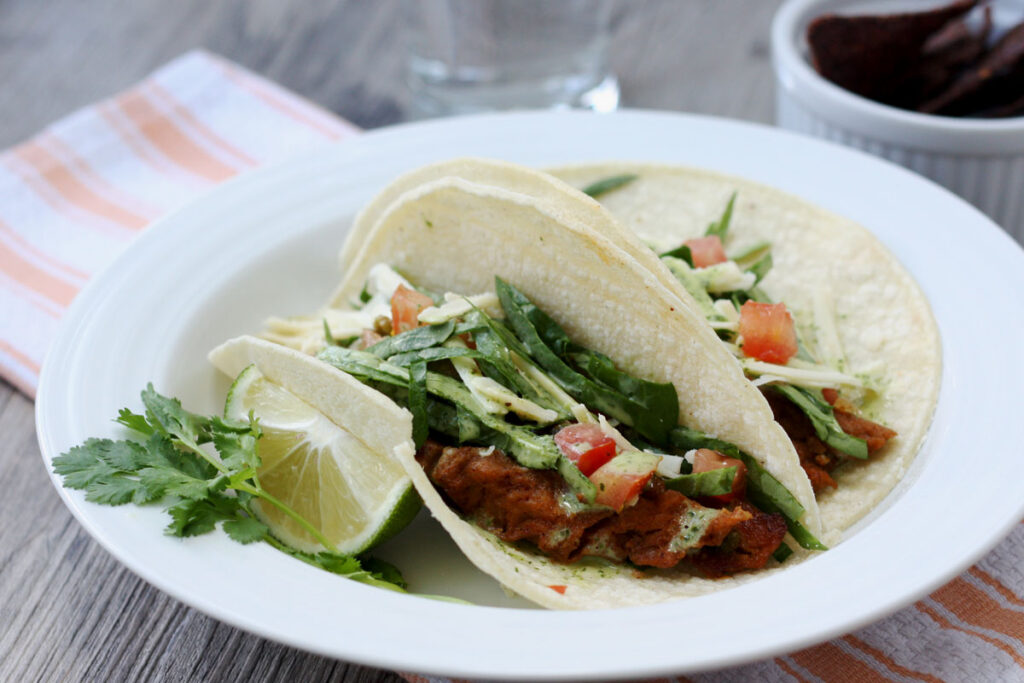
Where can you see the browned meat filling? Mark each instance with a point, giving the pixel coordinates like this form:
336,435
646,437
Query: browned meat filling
747,547
513,502
648,533
874,434
817,459
520,504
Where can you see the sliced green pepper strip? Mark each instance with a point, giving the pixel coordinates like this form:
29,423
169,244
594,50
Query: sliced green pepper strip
682,252
497,364
528,449
434,353
721,226
441,417
712,483
763,490
546,341
823,419
414,340
761,267
605,185
418,402
782,553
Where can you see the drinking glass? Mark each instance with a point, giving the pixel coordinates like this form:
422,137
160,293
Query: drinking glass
469,56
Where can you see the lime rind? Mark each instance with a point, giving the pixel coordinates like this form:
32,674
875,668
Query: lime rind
321,471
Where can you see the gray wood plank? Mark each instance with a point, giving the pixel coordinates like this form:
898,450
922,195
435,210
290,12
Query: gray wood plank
68,610
699,56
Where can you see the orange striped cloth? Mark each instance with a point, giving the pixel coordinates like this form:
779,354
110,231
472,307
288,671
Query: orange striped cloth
971,629
74,196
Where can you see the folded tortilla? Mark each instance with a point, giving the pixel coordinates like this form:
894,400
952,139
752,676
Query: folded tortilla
885,325
451,234
884,321
454,226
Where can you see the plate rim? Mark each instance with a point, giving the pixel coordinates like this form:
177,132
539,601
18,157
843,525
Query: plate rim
99,284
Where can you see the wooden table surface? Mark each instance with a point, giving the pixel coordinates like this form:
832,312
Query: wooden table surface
68,610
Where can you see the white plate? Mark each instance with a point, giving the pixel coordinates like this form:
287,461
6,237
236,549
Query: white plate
266,243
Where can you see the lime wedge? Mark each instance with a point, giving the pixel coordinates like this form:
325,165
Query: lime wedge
353,496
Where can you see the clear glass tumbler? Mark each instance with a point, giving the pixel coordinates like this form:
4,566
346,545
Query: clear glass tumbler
470,56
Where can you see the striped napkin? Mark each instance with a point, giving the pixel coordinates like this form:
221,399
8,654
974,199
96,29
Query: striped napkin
74,196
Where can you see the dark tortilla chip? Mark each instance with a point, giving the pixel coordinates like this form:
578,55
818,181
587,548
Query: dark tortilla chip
871,55
992,85
946,54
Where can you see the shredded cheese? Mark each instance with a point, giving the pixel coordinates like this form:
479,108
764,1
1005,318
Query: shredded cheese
766,379
306,333
383,280
494,397
826,331
670,466
520,406
530,371
615,435
817,377
582,415
456,305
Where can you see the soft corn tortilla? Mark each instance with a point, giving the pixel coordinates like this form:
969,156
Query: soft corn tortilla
884,321
454,235
373,419
544,189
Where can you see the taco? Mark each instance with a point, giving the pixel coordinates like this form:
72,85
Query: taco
859,395
578,430
858,386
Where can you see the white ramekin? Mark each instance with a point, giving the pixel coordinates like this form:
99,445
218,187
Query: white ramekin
982,160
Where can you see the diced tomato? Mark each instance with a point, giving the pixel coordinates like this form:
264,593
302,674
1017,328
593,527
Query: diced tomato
768,332
586,445
706,251
558,589
620,480
705,460
406,305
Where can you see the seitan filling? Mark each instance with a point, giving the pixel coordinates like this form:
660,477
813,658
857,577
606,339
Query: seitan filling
662,528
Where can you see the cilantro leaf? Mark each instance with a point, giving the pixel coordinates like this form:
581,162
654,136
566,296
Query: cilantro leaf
162,453
246,530
367,570
237,450
167,415
200,489
134,421
197,517
385,571
106,471
82,465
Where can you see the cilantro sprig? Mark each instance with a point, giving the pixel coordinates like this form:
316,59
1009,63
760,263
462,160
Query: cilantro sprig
201,488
